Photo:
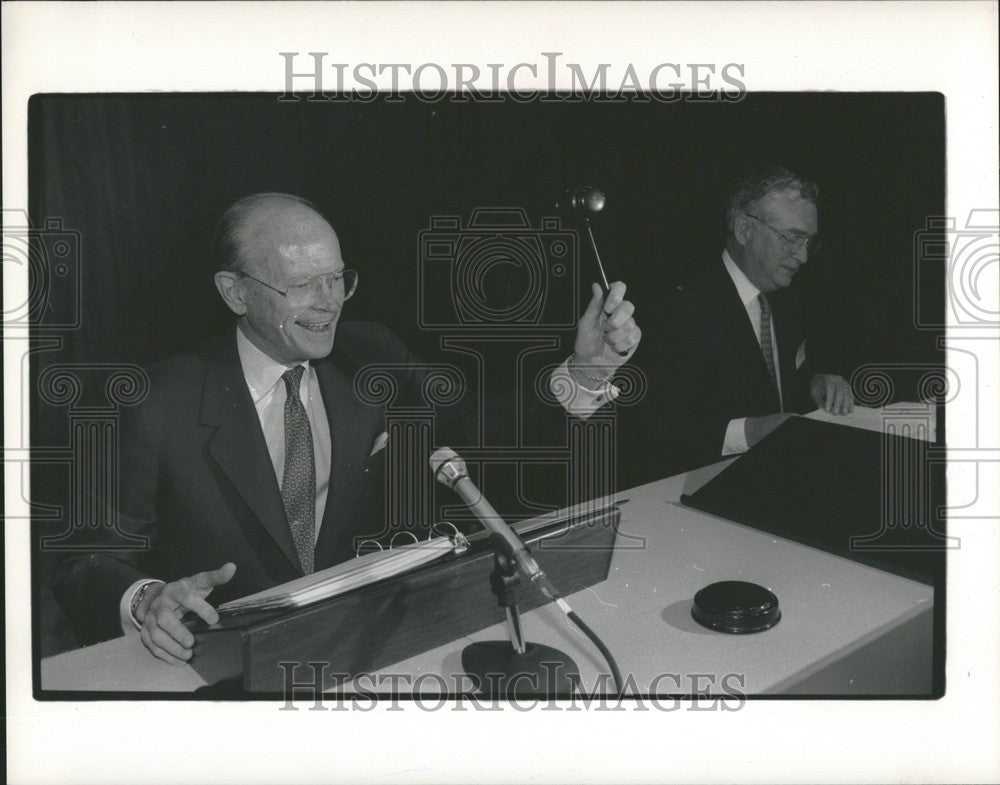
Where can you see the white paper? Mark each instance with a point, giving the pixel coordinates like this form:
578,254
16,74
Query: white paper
915,420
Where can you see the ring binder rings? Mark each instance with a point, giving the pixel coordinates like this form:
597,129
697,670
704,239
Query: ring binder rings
341,578
388,606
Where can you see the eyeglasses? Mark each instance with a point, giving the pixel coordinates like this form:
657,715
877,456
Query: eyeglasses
340,286
795,243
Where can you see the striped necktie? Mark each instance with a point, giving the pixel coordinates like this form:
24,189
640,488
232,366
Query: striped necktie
766,348
298,484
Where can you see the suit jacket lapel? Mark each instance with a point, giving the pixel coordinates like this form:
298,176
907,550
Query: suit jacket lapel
352,428
238,445
741,333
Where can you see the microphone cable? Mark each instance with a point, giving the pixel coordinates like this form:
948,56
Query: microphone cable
550,591
449,469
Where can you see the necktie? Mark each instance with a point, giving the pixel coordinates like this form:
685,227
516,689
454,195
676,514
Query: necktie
765,341
298,484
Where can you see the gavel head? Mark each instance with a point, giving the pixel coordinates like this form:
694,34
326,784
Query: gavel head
586,200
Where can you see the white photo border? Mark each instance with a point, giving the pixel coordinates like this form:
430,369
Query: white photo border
948,47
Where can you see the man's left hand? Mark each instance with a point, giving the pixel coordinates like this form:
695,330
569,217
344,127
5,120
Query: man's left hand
832,393
606,335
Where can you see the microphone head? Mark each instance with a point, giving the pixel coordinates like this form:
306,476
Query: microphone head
448,466
586,200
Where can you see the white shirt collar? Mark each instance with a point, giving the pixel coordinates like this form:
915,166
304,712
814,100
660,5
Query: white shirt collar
746,290
260,371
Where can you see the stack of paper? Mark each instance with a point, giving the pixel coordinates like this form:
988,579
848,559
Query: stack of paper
915,420
380,565
340,578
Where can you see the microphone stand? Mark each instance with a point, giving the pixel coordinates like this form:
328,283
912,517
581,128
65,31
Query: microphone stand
516,668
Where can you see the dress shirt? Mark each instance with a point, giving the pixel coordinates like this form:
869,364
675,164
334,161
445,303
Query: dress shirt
736,439
267,390
576,399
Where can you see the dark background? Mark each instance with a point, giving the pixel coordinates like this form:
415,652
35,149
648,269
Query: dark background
143,179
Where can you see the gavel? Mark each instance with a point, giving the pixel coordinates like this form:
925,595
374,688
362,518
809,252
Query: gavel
585,202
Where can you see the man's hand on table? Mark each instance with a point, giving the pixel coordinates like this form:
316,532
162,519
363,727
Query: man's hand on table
163,606
756,428
832,393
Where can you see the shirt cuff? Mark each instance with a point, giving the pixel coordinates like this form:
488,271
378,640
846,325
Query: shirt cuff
130,624
736,437
576,399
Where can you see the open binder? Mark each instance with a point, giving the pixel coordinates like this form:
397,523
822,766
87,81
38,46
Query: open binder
342,578
383,607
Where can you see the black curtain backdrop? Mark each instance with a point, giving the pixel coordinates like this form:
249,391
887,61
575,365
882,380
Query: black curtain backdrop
143,179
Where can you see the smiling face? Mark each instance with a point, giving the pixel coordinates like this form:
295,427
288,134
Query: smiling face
284,243
765,258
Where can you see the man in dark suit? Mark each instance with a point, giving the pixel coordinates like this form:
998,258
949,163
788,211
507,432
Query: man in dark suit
738,359
255,452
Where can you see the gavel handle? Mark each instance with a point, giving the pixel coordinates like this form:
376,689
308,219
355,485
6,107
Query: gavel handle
600,268
597,257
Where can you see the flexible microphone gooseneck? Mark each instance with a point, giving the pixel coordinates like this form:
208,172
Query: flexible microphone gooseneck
449,469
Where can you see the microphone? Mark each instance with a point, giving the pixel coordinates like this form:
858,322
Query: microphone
586,200
449,469
489,659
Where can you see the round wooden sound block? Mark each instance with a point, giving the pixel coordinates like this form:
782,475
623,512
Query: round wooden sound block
736,607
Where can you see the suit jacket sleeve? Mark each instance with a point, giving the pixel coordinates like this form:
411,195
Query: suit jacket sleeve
696,406
89,587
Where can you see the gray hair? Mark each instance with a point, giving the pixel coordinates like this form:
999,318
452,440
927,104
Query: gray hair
774,179
227,246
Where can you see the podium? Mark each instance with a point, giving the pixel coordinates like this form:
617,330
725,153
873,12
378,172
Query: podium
388,621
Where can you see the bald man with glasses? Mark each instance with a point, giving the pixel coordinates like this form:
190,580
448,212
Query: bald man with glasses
253,461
